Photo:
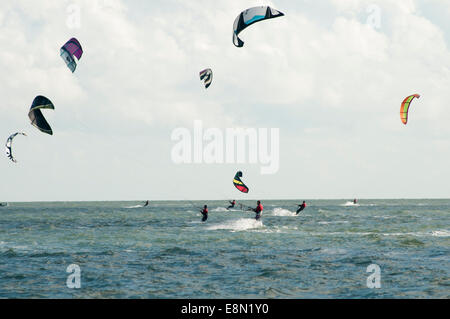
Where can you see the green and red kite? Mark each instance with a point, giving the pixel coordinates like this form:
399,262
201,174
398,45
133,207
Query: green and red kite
405,107
239,184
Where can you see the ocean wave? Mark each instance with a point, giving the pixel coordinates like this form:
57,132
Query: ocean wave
8,253
440,233
136,206
333,251
237,225
333,222
344,233
14,247
278,211
276,229
222,209
411,242
175,251
437,233
350,204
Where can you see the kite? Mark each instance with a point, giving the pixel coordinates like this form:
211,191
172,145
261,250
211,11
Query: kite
9,146
70,49
206,76
37,119
239,184
250,16
404,109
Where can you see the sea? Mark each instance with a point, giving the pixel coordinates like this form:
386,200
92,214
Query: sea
396,248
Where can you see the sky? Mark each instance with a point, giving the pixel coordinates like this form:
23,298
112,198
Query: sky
330,75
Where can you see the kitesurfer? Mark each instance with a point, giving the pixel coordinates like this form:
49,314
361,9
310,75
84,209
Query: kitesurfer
355,201
146,204
301,207
204,212
232,204
258,210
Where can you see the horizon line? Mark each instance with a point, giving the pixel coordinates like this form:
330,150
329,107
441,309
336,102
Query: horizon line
226,199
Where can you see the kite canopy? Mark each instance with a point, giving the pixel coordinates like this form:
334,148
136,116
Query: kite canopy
206,76
404,108
239,184
250,16
69,50
37,119
9,146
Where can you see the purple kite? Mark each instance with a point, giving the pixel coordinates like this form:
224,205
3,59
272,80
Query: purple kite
70,49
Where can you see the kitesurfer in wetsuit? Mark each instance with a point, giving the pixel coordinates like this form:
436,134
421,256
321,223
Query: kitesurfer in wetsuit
258,210
232,204
146,204
204,212
301,207
355,201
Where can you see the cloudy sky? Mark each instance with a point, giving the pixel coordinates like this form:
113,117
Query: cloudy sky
330,75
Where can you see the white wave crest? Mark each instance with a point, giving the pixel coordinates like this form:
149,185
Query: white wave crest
282,212
333,222
237,225
350,204
440,233
136,206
